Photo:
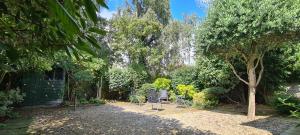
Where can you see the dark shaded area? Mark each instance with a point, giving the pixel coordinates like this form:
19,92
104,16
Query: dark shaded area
16,126
106,119
273,124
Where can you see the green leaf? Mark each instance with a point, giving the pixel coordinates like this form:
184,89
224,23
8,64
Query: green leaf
68,22
70,7
84,46
102,3
75,53
93,41
91,10
97,30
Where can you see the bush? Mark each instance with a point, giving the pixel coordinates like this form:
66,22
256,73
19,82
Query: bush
143,91
213,72
162,83
286,103
7,99
204,100
138,75
172,96
186,90
186,75
137,99
216,90
119,79
83,101
96,101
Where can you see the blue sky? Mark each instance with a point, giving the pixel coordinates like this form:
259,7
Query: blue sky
178,8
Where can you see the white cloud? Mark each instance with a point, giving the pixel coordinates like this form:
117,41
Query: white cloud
107,14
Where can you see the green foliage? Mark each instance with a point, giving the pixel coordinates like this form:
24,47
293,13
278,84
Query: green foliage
162,83
161,8
138,75
60,26
143,91
186,75
119,79
204,100
7,99
186,90
232,27
137,99
172,96
83,101
216,90
97,101
286,103
213,72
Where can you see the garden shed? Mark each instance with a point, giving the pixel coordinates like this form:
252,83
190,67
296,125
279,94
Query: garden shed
43,88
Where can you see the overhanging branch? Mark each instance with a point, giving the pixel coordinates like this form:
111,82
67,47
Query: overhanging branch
235,73
261,70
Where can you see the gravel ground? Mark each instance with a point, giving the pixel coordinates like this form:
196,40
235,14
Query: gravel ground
127,119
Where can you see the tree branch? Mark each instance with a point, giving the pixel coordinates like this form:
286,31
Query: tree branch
257,62
261,70
235,73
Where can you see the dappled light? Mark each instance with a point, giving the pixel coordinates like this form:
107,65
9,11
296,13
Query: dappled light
135,67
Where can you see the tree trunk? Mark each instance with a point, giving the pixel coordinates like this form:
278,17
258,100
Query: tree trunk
252,83
100,89
252,89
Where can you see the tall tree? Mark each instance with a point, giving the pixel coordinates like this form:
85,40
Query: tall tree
246,30
35,26
160,7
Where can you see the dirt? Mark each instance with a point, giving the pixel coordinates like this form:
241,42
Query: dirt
129,119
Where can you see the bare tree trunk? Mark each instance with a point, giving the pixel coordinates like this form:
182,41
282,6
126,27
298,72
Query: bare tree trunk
252,89
100,89
252,80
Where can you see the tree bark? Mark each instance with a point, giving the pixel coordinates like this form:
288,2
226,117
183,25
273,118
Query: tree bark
252,89
99,89
252,82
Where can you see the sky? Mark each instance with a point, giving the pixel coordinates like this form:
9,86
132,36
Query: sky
178,8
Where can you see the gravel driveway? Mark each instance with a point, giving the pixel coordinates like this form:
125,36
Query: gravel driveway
128,119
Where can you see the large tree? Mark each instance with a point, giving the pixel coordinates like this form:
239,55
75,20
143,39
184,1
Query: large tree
41,27
160,7
245,30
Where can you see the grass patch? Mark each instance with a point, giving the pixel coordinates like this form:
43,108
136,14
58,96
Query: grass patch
17,126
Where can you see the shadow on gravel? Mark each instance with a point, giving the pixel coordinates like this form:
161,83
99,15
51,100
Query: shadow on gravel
275,125
105,119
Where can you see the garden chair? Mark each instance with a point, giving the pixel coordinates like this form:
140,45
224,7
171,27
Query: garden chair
153,98
163,95
181,101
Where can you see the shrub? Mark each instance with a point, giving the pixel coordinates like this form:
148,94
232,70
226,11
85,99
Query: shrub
119,79
204,100
138,75
286,103
186,75
172,96
83,101
137,99
162,83
7,99
214,72
186,90
143,91
96,101
216,90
